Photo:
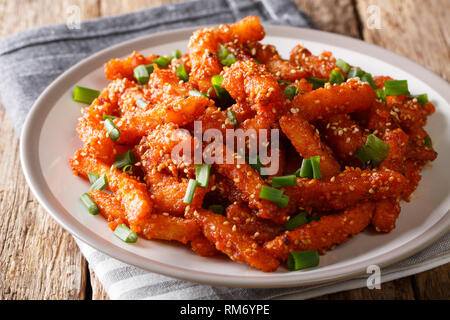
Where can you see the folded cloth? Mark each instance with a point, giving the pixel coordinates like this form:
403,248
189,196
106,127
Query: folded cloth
31,60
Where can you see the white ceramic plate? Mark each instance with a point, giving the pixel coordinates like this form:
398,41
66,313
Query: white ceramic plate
49,139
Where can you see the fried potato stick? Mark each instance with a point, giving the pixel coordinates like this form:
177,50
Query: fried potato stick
203,47
323,234
229,239
348,97
346,189
307,142
132,193
385,215
258,229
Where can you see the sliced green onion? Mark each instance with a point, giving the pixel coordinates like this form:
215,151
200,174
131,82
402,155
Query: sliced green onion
381,94
196,93
106,116
89,204
257,61
182,73
232,116
162,61
125,234
422,99
217,208
355,72
141,74
336,77
202,173
427,141
396,87
176,53
306,170
274,195
298,260
85,95
367,77
255,163
284,181
127,169
297,221
216,82
141,103
270,193
226,58
112,130
100,184
92,177
290,92
317,82
222,52
283,202
315,164
124,159
310,218
343,65
375,150
284,82
189,195
229,60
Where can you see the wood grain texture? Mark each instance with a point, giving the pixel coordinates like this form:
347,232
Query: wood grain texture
39,260
415,29
336,16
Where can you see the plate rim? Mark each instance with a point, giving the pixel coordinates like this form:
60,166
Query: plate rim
36,118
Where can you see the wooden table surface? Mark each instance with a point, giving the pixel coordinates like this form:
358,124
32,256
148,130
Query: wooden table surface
40,260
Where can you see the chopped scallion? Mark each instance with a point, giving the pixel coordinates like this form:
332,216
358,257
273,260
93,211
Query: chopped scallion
100,184
176,53
274,195
182,73
315,164
112,130
284,181
125,234
317,82
422,99
375,150
196,93
85,95
216,82
190,191
141,74
297,221
128,169
222,52
427,141
290,92
381,94
355,72
367,77
336,77
280,81
232,116
343,65
202,173
305,170
124,159
298,260
106,116
92,177
141,103
162,62
89,204
396,88
217,208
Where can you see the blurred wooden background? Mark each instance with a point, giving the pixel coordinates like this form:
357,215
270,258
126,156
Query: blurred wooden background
39,260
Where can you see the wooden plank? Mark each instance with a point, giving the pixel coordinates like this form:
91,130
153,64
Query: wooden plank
416,29
38,259
110,8
24,14
433,284
336,16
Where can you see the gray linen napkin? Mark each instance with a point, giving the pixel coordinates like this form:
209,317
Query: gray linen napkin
31,60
